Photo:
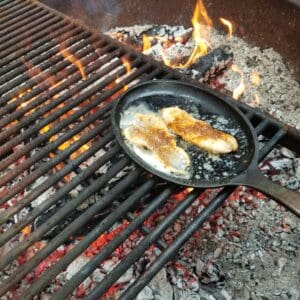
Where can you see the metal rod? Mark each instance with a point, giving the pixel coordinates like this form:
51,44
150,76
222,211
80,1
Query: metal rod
18,18
47,63
92,236
172,249
5,3
61,125
13,25
45,22
68,207
40,171
98,206
50,147
266,149
17,49
94,262
43,95
139,250
12,60
13,9
43,53
50,164
17,227
42,17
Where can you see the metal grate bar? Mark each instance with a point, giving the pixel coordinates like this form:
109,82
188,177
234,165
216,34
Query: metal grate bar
109,248
186,234
42,138
12,9
52,163
44,53
32,81
42,88
43,22
5,3
20,19
11,28
35,40
79,105
40,18
138,251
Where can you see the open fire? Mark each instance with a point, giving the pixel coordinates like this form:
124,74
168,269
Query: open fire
73,150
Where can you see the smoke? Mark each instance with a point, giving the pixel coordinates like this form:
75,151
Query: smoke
99,13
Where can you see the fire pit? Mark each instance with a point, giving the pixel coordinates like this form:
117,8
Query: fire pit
79,219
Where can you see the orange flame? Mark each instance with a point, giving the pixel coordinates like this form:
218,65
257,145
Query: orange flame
239,90
255,78
146,43
71,58
127,66
26,230
200,32
229,26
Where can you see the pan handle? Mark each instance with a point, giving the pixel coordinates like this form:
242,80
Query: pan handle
290,199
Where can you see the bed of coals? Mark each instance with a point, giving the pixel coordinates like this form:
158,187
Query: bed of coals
249,249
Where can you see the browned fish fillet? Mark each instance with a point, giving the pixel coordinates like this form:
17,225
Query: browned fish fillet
150,133
198,132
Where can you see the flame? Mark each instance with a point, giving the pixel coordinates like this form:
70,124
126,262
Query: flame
45,129
256,100
126,64
71,58
146,43
26,230
200,32
33,71
229,26
127,67
202,25
239,90
165,59
255,78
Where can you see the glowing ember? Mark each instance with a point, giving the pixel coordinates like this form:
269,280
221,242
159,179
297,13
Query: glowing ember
127,66
71,58
239,90
26,230
229,26
255,78
146,43
200,32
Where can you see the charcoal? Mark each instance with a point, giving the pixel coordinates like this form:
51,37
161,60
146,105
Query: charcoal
212,64
55,230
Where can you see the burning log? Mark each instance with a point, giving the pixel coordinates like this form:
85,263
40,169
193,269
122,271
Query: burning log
212,64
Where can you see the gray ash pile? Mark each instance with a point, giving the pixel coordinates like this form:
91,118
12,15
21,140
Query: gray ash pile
257,77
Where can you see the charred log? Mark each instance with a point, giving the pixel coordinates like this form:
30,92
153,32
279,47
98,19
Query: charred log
212,64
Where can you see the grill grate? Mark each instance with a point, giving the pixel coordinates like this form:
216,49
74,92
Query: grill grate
47,100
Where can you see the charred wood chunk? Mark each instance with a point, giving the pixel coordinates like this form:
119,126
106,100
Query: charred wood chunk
212,64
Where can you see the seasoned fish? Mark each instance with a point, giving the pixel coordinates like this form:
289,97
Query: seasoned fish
198,132
154,143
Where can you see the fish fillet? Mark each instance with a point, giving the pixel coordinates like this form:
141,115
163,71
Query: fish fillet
153,141
198,132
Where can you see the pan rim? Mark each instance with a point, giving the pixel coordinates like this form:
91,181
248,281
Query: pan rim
179,180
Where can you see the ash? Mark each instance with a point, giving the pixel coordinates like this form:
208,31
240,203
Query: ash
249,249
277,93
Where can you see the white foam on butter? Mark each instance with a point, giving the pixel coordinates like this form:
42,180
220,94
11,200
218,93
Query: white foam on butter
128,116
128,119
